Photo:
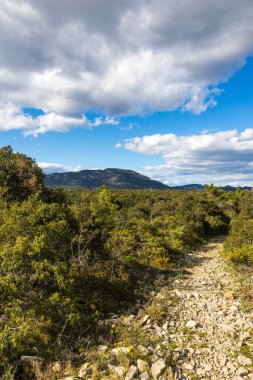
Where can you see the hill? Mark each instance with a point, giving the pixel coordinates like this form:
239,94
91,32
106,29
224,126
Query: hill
194,186
112,178
116,179
202,187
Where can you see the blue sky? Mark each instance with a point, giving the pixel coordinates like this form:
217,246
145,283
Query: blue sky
170,97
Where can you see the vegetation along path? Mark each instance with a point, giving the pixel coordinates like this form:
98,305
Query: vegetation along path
192,328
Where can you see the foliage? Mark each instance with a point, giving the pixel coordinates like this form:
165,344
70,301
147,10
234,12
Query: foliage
68,257
34,258
20,176
239,244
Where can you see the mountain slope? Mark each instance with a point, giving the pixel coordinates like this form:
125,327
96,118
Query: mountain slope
116,179
194,186
112,178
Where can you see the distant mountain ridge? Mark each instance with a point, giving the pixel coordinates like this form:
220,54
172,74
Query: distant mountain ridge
202,187
112,178
116,179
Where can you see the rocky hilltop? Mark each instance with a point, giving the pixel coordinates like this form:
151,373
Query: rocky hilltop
112,178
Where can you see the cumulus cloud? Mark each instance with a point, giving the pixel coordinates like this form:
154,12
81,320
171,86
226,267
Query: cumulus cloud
220,157
14,118
118,58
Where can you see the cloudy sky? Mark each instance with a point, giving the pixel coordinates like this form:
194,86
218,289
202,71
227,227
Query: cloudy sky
163,87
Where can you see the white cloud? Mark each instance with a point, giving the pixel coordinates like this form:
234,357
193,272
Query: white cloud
219,157
129,127
13,118
118,58
49,167
108,120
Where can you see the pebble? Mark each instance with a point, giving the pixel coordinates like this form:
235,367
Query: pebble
85,370
145,376
142,365
120,371
158,368
244,360
242,371
131,373
245,336
191,324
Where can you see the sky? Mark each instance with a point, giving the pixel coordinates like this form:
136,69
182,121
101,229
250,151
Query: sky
163,87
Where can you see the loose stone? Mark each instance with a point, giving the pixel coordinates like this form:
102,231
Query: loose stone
131,373
158,368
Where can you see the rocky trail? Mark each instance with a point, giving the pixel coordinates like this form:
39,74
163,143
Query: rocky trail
211,334
193,327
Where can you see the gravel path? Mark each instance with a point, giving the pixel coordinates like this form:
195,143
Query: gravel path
212,335
192,327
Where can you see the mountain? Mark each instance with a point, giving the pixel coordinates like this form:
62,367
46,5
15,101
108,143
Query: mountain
232,188
116,179
202,187
194,186
112,178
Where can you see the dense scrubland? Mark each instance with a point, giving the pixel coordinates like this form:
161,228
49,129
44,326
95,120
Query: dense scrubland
68,258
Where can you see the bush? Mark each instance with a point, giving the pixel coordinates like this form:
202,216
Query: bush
34,256
239,244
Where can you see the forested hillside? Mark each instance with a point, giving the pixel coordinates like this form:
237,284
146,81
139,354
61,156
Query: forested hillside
70,258
111,178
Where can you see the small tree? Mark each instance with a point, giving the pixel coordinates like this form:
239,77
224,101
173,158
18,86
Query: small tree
20,176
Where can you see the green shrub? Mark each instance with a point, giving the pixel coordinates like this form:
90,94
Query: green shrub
239,244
